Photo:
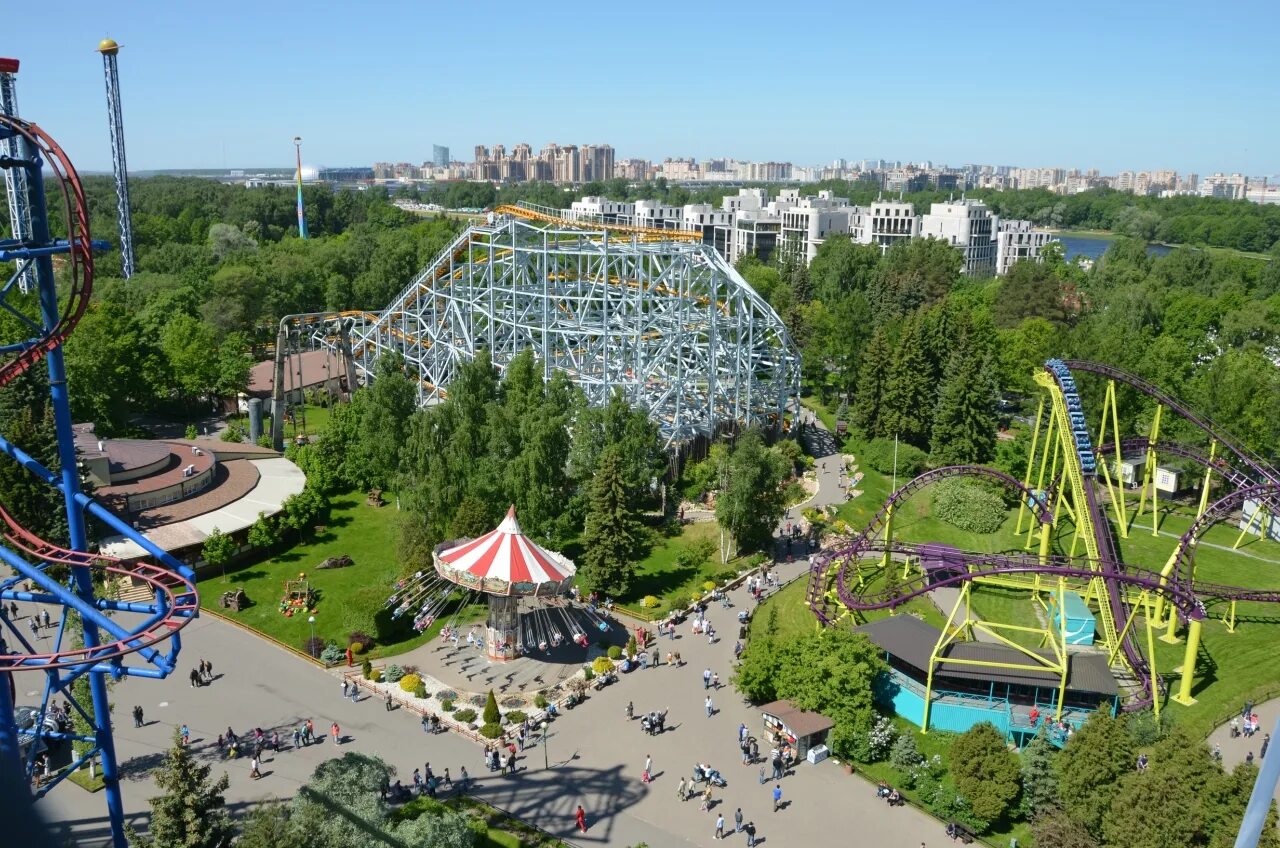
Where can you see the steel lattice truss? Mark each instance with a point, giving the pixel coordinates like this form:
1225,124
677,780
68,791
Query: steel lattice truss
669,324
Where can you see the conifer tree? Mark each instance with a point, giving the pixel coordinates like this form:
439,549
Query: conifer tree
611,532
190,813
1039,777
964,422
491,713
873,380
909,395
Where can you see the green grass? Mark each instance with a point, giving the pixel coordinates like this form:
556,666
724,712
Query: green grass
368,535
674,584
81,778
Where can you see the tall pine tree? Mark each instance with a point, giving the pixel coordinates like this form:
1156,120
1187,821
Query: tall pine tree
909,395
1039,777
873,382
190,813
611,534
964,423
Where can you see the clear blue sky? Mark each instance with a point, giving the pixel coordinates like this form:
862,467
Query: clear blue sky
1115,85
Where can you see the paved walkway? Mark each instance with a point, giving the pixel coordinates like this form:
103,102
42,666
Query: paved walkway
1235,750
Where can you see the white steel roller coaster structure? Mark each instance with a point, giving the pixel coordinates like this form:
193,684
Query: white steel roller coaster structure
654,314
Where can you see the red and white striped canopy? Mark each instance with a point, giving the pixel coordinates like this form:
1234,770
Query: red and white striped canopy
506,554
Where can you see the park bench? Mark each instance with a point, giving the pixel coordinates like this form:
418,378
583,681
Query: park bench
956,830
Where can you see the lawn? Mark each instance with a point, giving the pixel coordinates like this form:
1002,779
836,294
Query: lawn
346,595
672,582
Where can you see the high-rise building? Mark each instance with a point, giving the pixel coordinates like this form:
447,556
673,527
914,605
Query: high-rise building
439,156
966,225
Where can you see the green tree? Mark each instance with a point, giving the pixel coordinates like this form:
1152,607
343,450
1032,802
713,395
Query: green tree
986,771
611,534
910,393
751,502
268,827
190,813
1054,827
964,423
472,519
842,267
1039,777
341,805
1029,290
187,344
218,549
263,533
873,384
1091,764
914,273
384,421
491,713
299,512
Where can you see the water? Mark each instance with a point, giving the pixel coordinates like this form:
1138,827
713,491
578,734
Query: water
1093,248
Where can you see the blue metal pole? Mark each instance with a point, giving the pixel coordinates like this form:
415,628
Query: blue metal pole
50,315
10,755
1264,789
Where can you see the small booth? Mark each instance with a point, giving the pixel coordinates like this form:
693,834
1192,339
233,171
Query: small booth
1080,625
801,729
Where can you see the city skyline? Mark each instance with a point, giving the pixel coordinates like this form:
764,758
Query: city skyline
1025,87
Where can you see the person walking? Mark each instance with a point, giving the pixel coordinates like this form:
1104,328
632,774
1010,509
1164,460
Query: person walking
275,741
1266,741
13,610
464,779
762,777
346,686
297,737
647,775
45,620
333,730
446,779
680,790
137,716
386,701
710,707
777,797
706,798
750,828
355,692
194,677
253,768
737,820
720,826
581,818
185,733
706,679
715,681
311,731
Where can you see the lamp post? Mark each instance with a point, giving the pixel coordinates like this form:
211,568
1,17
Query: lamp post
546,760
311,619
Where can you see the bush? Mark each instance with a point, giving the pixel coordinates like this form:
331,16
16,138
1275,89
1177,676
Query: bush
694,554
420,691
880,739
359,648
615,652
516,716
905,755
491,731
540,701
465,716
968,506
393,673
332,654
446,705
191,432
313,646
649,602
878,454
359,636
235,432
491,712
708,585
631,647
410,682
588,674
601,665
366,668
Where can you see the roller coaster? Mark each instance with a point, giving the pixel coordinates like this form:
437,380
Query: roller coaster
653,314
97,638
1067,473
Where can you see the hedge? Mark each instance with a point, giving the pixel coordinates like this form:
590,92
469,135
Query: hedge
878,454
968,506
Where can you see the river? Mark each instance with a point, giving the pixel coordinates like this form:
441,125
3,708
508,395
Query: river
1093,248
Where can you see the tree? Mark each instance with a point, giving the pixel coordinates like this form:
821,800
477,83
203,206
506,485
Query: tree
189,813
299,512
750,502
187,344
1030,290
914,273
873,383
341,805
226,239
218,549
440,828
263,533
986,771
910,393
1039,777
1054,827
842,267
964,423
384,421
491,713
268,827
611,533
1097,756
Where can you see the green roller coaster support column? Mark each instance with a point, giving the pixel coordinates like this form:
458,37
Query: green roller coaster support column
1114,490
1045,539
1208,478
888,537
1151,660
1261,517
1026,481
1170,636
1189,664
1062,642
1148,475
1230,618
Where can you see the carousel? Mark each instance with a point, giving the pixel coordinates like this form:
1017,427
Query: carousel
511,571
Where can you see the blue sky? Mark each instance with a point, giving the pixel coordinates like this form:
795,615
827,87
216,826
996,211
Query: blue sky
1116,85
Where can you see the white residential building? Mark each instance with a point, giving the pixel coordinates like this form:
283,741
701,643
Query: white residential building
805,226
884,222
1017,240
966,225
1233,187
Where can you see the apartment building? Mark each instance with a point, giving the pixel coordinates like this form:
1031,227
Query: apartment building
885,223
1017,240
968,226
805,226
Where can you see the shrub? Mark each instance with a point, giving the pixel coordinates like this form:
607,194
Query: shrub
578,685
235,432
359,636
708,585
446,705
881,738
632,647
540,701
602,665
313,646
615,652
192,432
420,691
410,682
465,716
377,676
967,506
491,713
366,668
332,654
393,673
588,675
359,648
516,716
491,730
649,602
905,755
878,454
